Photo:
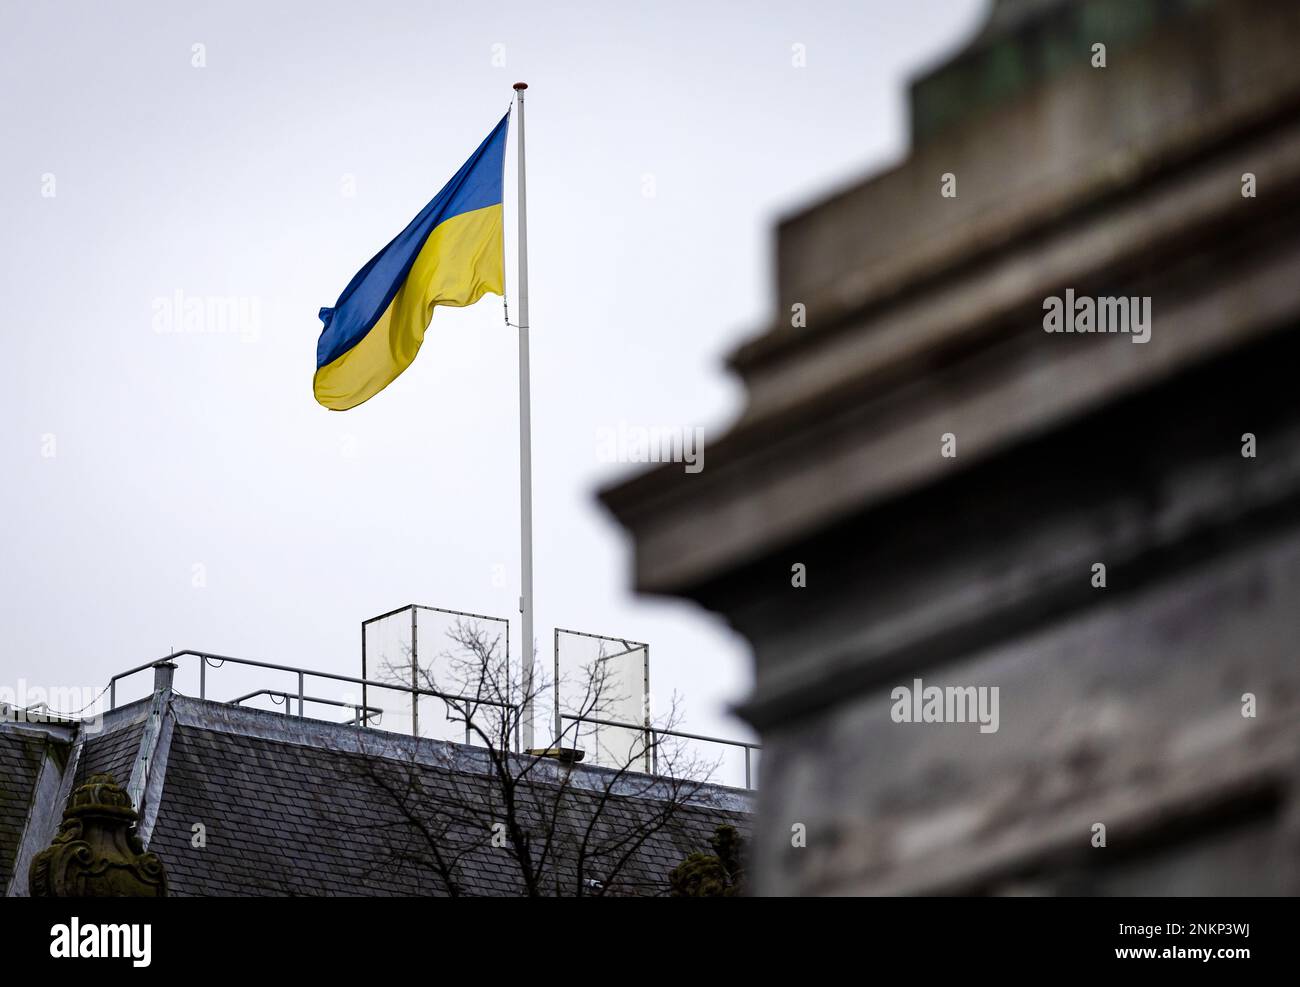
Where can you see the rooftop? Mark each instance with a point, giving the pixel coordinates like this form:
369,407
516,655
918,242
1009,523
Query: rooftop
244,801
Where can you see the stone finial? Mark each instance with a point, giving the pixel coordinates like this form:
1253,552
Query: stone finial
96,853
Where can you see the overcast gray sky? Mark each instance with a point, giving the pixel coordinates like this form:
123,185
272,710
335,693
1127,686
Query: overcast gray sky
183,489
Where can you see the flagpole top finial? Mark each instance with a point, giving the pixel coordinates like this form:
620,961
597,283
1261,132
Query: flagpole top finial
521,86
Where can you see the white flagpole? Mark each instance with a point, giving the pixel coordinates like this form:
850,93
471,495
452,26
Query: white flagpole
525,436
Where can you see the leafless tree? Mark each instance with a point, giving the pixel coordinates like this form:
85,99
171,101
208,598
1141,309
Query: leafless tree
535,823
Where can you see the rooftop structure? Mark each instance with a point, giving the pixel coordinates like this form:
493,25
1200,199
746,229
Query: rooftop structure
237,800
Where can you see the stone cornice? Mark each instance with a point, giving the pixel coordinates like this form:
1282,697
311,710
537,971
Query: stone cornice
857,420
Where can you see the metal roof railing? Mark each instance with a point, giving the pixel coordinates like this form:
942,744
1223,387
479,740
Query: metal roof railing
652,733
364,714
208,659
357,709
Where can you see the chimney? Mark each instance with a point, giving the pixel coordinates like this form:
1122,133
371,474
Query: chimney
162,675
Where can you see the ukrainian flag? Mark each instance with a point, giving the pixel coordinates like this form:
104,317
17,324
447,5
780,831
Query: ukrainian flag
452,253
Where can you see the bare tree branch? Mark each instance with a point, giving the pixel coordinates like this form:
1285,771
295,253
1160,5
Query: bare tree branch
559,828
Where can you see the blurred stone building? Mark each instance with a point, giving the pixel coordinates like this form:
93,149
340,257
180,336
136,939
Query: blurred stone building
951,476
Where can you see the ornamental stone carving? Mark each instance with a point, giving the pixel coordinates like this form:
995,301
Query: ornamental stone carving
96,853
